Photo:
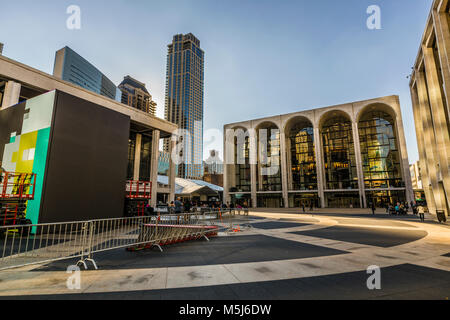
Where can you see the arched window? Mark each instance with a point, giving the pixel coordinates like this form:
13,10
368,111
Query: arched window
242,161
339,153
269,158
303,158
379,151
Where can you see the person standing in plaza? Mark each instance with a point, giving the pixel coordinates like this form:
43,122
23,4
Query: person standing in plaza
178,206
414,208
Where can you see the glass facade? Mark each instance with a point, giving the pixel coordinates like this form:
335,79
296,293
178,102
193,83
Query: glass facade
269,169
342,199
274,200
242,154
297,200
79,71
146,150
382,198
184,99
131,155
303,158
242,199
379,151
339,154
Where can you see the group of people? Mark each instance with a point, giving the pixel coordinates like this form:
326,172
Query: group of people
178,206
402,208
310,205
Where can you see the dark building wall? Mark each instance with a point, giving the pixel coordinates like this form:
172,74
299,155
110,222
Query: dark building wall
87,163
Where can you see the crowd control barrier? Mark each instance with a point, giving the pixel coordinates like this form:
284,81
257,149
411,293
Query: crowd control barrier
23,245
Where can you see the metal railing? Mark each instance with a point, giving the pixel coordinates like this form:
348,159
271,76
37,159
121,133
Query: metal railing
43,243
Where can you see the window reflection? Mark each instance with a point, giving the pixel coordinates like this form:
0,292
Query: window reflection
146,148
303,159
131,155
339,154
269,170
242,161
380,156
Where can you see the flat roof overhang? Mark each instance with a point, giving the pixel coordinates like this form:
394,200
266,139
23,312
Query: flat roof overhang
41,81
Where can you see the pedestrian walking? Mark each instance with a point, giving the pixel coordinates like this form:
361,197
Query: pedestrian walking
373,208
421,212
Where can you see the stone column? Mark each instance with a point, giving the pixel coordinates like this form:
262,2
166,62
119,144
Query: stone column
226,165
11,95
400,132
171,172
226,187
137,157
154,166
228,162
253,174
441,26
283,167
253,152
359,168
423,162
290,183
319,166
429,141
439,118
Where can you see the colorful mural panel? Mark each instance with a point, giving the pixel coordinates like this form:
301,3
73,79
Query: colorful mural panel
28,144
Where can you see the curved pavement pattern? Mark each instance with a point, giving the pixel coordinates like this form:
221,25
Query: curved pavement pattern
283,256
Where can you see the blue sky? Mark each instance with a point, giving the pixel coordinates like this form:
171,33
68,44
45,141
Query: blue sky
263,57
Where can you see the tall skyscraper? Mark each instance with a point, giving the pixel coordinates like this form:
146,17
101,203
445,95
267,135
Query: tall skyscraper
184,100
135,94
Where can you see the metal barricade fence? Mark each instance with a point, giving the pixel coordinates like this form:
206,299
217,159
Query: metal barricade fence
31,244
44,243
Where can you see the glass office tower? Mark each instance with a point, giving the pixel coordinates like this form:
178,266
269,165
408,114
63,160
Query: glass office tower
184,100
70,66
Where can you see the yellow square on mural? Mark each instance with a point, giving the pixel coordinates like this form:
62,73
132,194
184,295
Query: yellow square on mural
24,158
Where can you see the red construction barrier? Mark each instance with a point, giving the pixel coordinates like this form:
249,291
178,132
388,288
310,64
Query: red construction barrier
166,234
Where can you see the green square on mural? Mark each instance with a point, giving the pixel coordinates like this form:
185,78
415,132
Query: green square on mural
12,139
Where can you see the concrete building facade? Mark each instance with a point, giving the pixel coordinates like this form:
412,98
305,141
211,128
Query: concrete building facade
346,155
430,92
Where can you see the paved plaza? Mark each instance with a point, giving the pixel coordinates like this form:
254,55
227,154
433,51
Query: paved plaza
277,255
